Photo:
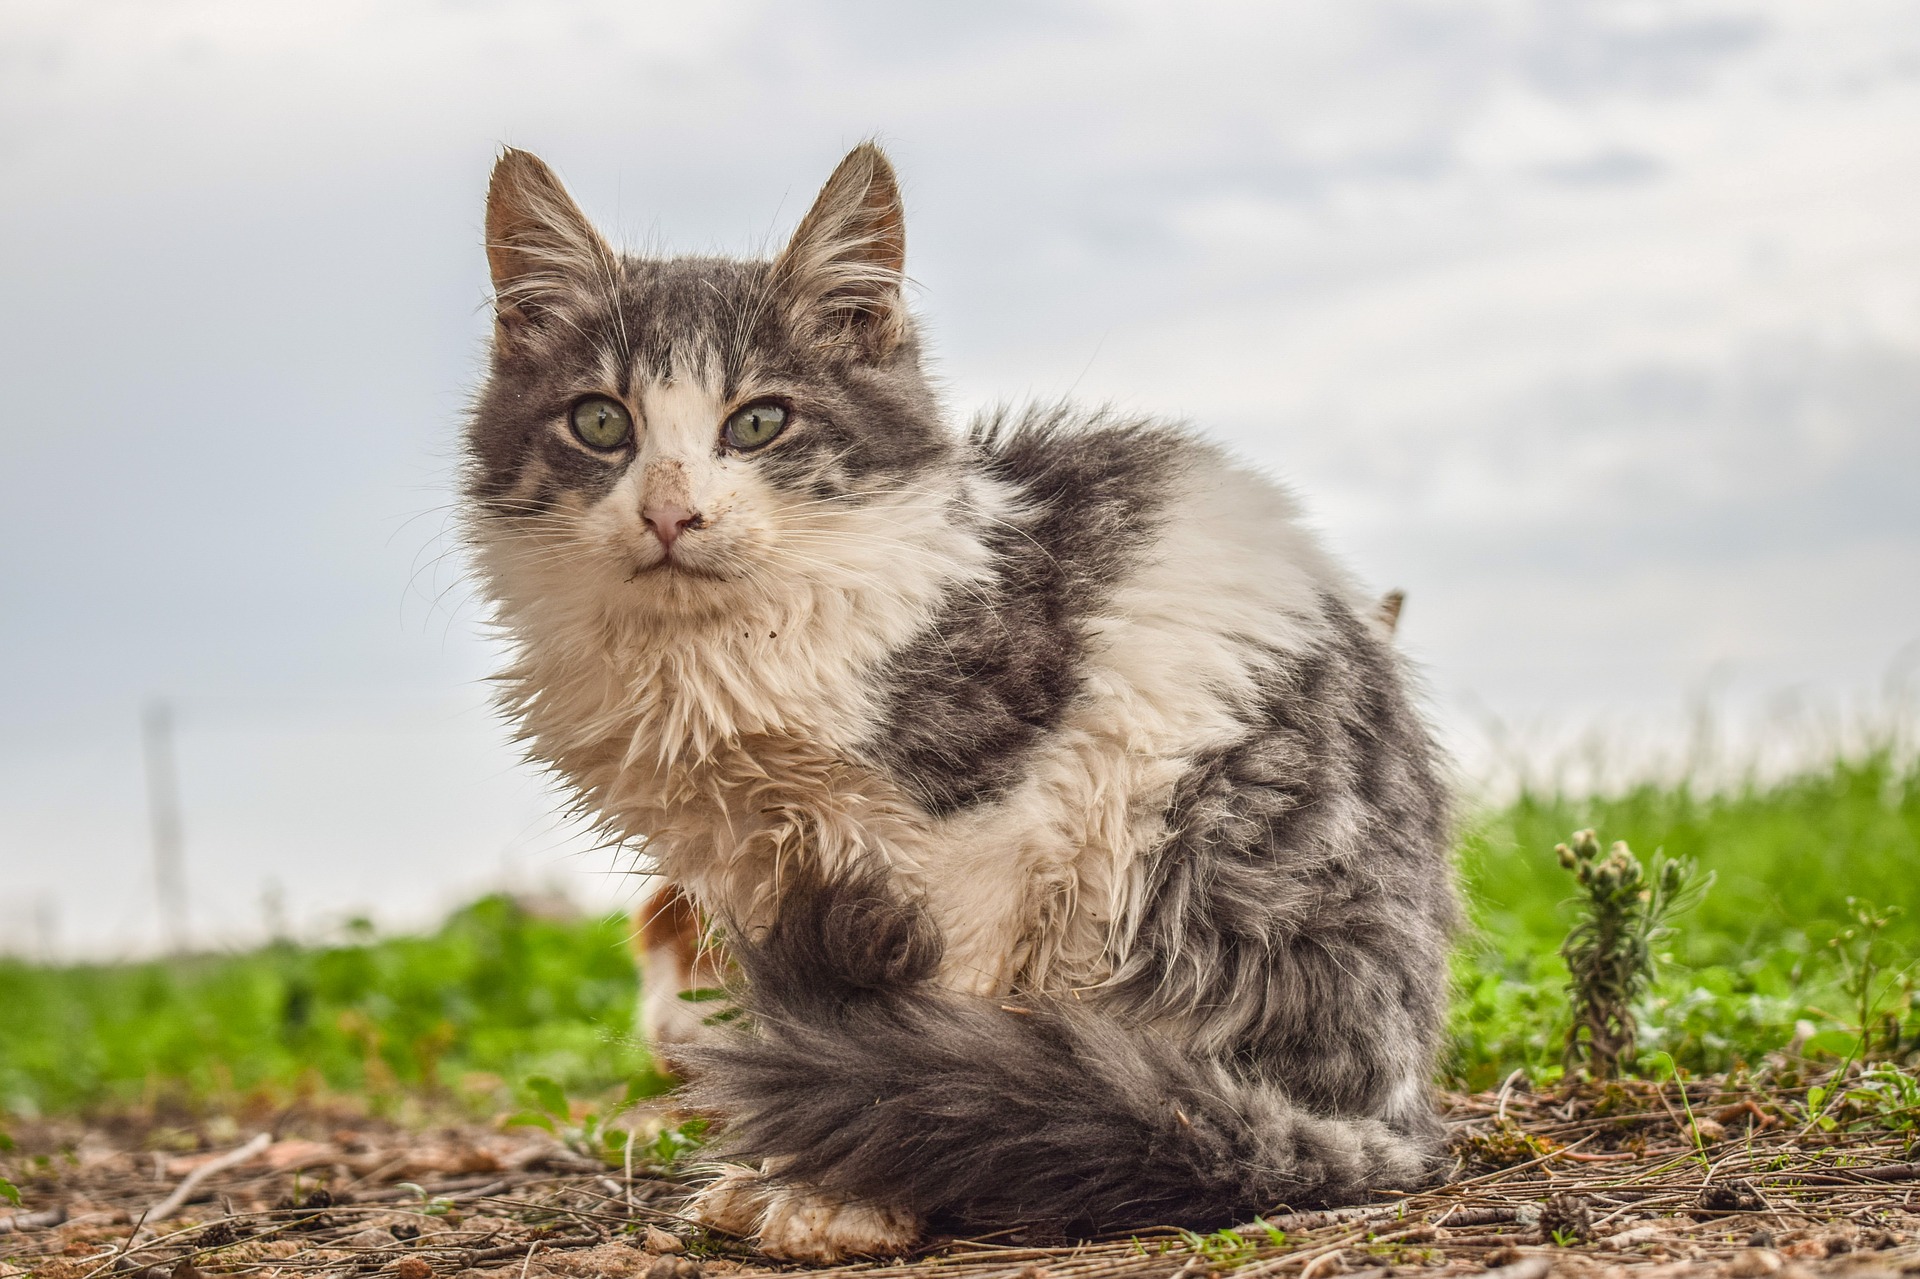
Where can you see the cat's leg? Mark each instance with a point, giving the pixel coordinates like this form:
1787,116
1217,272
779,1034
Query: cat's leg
985,917
667,948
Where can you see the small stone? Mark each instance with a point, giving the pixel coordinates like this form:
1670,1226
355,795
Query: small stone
1752,1263
1632,1237
372,1237
412,1268
672,1267
659,1240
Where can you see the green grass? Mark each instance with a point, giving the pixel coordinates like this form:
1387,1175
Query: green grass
1752,959
496,996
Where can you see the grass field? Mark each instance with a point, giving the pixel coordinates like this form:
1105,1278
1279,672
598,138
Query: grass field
462,1017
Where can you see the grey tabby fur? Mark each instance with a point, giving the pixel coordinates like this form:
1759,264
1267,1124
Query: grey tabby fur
1063,803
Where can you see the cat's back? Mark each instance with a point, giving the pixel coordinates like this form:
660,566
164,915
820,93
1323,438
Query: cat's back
1141,522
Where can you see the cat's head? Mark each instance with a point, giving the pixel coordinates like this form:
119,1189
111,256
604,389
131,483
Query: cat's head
685,437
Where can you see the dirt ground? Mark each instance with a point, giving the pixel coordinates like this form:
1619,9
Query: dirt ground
1639,1181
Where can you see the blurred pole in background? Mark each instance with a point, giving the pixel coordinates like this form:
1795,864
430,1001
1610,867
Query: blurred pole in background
46,929
163,810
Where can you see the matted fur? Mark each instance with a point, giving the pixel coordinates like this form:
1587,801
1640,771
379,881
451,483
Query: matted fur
1070,702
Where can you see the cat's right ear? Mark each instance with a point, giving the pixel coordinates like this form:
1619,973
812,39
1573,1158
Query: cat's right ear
539,245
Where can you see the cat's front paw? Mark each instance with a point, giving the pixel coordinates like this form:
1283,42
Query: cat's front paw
800,1225
733,1202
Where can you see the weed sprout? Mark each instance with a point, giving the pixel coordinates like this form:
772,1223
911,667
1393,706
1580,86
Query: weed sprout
1610,951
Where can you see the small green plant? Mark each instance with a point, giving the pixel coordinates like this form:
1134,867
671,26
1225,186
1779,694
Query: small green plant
1863,956
432,1205
1221,1248
1610,951
1670,1069
1883,1098
583,1129
672,1145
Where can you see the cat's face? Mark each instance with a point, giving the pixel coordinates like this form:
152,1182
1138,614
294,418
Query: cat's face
686,436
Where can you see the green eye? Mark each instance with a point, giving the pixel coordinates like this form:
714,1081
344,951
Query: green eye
755,425
601,423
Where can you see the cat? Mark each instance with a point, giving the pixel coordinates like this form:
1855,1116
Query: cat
1071,827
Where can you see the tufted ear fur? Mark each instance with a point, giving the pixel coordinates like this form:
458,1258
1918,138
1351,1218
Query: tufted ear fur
539,245
840,275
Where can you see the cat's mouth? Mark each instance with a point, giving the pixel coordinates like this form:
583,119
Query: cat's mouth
670,567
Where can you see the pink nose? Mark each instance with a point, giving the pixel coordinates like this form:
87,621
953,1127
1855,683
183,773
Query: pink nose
669,522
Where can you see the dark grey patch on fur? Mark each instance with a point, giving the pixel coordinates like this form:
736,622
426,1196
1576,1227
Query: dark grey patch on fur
862,1079
1298,912
858,424
970,696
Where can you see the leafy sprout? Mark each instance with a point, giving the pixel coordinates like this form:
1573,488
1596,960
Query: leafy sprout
592,1132
1610,952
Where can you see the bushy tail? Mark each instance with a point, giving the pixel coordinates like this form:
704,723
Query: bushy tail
858,1076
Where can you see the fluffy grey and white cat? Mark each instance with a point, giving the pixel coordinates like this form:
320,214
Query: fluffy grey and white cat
1059,797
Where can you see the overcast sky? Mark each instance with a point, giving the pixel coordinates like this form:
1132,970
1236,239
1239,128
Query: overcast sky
1595,326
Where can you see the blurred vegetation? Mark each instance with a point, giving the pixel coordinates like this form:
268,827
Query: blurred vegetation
495,995
1813,917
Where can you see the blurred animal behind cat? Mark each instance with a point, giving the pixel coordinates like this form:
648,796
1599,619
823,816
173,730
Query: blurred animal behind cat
1060,798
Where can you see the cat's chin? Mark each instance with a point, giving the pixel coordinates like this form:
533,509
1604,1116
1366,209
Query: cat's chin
676,589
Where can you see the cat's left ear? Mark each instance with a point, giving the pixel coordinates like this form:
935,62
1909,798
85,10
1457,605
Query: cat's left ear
841,274
540,246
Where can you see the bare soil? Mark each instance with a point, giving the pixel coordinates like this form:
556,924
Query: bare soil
1723,1177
